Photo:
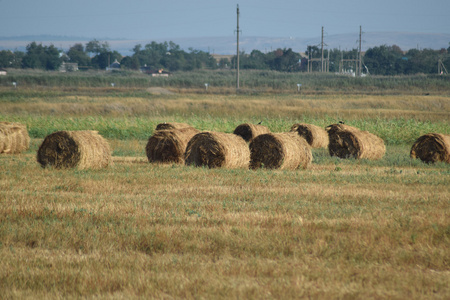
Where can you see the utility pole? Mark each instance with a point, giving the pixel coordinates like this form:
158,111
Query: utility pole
237,50
441,67
328,62
321,60
360,57
309,57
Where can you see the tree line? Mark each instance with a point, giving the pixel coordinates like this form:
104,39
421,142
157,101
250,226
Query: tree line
380,60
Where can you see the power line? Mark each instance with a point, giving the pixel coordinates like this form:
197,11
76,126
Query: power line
237,49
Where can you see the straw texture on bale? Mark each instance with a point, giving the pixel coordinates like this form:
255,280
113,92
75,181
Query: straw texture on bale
347,141
316,136
69,149
432,147
14,138
286,150
217,150
172,125
169,146
250,131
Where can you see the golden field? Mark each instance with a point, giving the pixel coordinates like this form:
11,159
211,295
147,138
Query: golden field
352,229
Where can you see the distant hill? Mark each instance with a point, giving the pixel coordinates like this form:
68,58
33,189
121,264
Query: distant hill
227,45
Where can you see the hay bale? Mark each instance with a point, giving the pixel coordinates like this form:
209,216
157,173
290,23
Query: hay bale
432,147
316,136
69,149
338,127
347,141
172,125
217,150
250,131
14,138
169,146
286,150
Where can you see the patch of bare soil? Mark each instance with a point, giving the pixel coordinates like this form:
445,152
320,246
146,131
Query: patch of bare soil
159,91
129,159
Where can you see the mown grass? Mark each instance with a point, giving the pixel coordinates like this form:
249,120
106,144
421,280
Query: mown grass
340,229
142,230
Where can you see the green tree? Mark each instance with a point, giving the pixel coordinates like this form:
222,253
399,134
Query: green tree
255,60
174,60
169,56
284,60
197,59
130,62
105,59
96,47
385,60
9,59
422,61
313,52
224,63
102,54
32,58
52,58
78,55
288,61
151,54
41,57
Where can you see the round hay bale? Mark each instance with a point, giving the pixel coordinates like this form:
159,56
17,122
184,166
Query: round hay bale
5,139
286,150
217,150
347,141
432,147
250,131
169,146
14,138
316,136
69,149
172,125
338,127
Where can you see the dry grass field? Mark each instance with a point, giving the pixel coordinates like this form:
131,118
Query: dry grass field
352,229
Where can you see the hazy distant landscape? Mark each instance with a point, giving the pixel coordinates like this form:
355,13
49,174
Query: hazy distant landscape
227,44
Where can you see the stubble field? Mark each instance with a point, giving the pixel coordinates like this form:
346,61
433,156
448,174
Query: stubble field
340,229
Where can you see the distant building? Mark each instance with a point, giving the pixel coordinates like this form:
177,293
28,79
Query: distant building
114,66
68,67
155,73
3,71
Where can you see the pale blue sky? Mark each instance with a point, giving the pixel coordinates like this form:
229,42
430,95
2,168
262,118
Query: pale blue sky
148,19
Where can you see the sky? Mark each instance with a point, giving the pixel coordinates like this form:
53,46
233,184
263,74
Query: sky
165,19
